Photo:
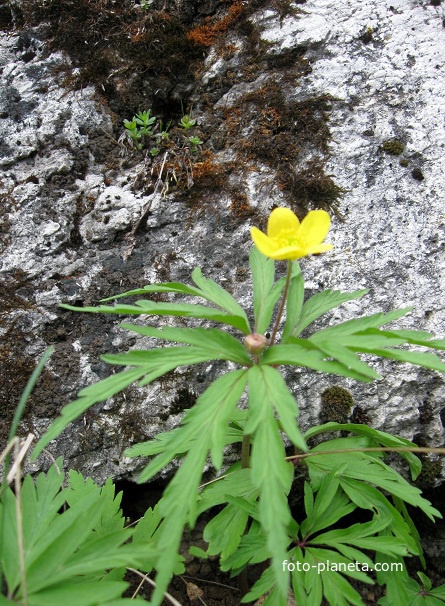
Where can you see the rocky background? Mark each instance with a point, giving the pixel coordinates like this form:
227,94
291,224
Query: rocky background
310,104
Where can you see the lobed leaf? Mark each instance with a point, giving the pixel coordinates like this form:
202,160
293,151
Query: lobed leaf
380,438
265,292
271,474
216,294
267,383
306,355
351,327
186,310
213,340
319,304
365,467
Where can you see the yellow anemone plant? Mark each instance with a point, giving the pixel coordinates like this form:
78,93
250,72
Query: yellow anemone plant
289,239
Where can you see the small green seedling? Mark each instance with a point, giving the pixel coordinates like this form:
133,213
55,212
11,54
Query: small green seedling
195,141
187,122
133,132
163,135
141,125
145,122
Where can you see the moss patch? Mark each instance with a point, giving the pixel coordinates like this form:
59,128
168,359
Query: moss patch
393,147
336,404
153,59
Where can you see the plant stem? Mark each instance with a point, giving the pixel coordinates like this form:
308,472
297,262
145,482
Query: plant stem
245,452
245,463
19,522
417,449
283,302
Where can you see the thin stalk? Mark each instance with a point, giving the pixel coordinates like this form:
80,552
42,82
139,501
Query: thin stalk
245,452
147,579
19,518
245,463
282,304
21,406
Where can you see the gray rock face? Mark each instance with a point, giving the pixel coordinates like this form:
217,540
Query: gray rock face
70,199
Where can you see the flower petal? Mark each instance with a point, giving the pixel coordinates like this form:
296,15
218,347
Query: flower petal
315,226
318,248
282,219
288,252
264,244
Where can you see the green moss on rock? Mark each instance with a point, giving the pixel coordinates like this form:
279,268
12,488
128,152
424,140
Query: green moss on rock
393,147
336,405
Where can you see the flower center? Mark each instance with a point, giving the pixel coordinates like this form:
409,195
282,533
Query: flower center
289,237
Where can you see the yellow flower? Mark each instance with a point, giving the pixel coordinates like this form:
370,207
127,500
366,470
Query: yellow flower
287,238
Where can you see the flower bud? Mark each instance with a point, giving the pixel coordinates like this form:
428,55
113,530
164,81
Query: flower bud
255,343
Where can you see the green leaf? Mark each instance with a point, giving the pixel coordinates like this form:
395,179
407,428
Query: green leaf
41,502
237,483
208,420
303,354
307,585
334,349
438,592
251,550
185,310
426,360
40,506
178,506
263,274
320,303
328,562
224,531
294,306
207,289
212,340
265,292
425,581
154,359
329,506
266,383
78,594
146,534
111,518
175,287
270,472
197,552
365,467
214,293
396,581
76,546
361,536
338,591
63,538
264,584
368,497
351,327
380,438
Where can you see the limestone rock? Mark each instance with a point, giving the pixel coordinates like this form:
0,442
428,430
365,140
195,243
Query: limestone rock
70,199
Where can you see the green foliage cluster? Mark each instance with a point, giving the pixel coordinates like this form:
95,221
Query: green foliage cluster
88,545
77,555
143,128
